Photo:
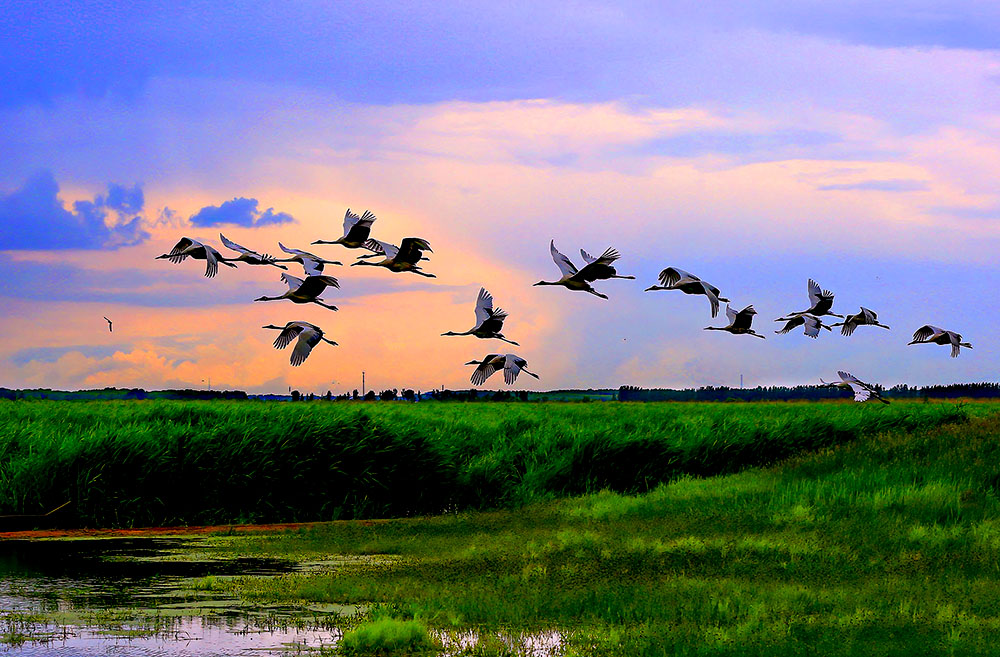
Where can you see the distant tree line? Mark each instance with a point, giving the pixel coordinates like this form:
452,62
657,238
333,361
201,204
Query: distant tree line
804,393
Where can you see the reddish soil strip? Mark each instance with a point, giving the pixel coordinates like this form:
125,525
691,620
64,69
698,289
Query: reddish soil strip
155,531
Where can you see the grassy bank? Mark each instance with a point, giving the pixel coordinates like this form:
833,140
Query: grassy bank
160,462
888,545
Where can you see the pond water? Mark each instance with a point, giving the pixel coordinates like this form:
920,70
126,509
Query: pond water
133,596
129,596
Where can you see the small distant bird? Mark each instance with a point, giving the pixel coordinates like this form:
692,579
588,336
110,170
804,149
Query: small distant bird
600,269
305,291
398,259
489,321
189,248
356,230
247,255
512,366
862,391
673,278
109,324
928,333
811,323
309,336
739,322
864,318
580,279
311,263
821,300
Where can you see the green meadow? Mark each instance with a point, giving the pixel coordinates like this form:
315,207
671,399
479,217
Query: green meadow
627,529
133,464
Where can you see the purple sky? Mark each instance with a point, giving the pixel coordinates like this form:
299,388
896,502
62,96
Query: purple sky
755,145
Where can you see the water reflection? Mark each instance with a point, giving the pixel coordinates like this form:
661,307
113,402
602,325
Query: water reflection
133,596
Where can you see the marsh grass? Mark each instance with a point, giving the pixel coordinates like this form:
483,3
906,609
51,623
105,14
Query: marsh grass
387,636
886,545
161,462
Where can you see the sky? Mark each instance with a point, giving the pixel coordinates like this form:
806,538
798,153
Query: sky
756,145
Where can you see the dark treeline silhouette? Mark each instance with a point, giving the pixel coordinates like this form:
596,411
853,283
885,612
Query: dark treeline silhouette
984,390
972,390
119,393
805,393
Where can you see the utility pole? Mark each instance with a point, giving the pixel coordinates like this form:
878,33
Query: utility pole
741,382
362,383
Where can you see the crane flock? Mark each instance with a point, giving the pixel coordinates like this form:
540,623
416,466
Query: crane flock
489,320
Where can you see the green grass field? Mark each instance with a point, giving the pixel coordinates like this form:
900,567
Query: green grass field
124,464
888,545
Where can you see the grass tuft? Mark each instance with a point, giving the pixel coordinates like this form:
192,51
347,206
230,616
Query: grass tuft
388,636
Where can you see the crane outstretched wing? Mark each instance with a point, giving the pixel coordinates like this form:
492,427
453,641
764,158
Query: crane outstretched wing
926,332
814,292
182,244
484,306
211,262
289,333
350,218
236,247
848,377
673,275
383,248
861,392
485,370
564,263
743,319
411,250
307,339
512,367
291,281
790,323
313,286
294,252
591,268
311,266
357,228
812,325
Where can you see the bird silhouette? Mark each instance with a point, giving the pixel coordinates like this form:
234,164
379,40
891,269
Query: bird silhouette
673,278
739,322
864,318
928,333
404,257
811,323
357,230
862,391
189,248
489,321
511,364
309,335
580,279
305,291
